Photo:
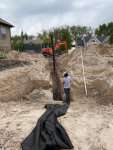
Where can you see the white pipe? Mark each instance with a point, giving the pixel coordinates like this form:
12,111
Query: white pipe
83,73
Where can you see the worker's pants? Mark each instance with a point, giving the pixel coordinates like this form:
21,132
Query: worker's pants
67,93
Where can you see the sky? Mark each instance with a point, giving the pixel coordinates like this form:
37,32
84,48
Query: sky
34,16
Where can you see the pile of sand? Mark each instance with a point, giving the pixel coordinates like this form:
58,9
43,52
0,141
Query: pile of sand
20,79
98,67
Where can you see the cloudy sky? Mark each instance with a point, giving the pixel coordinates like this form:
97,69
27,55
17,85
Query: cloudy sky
32,16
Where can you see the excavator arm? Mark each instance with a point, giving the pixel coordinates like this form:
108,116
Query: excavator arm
47,50
59,44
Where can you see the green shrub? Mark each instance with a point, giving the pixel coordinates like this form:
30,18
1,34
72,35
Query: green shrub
3,55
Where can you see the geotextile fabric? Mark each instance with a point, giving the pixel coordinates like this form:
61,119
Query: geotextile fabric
48,133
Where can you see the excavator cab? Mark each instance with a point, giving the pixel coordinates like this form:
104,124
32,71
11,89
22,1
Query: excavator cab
47,49
59,47
46,45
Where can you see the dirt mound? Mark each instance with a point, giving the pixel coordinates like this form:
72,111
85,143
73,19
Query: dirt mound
98,67
18,55
8,63
99,49
12,54
21,79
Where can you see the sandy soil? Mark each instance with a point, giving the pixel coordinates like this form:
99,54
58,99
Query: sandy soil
88,124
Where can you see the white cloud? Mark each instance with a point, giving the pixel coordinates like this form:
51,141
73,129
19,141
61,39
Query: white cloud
32,16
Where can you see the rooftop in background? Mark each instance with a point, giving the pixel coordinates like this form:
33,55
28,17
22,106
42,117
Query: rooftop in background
34,41
86,40
79,42
101,38
5,23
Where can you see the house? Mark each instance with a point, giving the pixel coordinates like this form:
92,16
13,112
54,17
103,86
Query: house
33,46
73,43
5,35
88,40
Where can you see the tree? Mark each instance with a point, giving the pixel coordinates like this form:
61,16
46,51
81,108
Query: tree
62,34
26,36
40,36
66,33
31,37
79,31
17,42
46,40
59,34
66,36
105,29
102,30
110,28
111,39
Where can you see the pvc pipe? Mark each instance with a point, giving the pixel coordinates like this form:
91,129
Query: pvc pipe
83,73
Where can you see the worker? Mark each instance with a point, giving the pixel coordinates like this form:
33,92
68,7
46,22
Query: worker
66,82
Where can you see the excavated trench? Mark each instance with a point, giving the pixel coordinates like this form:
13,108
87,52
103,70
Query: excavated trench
57,85
57,81
19,78
17,83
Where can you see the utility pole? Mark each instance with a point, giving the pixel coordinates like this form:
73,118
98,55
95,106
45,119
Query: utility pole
54,68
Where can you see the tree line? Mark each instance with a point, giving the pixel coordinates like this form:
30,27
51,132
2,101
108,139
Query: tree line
105,29
64,33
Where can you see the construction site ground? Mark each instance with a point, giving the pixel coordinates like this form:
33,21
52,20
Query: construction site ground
88,122
89,125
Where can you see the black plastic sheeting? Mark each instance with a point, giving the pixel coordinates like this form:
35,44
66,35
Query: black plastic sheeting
49,134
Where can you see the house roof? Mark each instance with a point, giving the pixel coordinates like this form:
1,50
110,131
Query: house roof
87,38
101,38
79,42
36,41
5,23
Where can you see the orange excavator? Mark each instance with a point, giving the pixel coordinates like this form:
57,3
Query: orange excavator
59,47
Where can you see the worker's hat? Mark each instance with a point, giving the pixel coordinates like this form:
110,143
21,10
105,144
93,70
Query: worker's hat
66,72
